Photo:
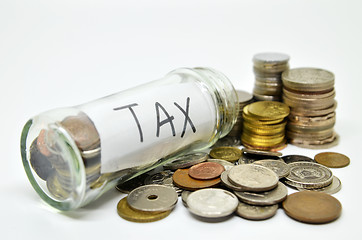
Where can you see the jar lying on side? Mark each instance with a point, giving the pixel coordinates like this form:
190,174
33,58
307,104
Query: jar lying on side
73,155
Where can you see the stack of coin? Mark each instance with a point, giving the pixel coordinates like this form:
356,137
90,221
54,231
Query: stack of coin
309,92
268,68
245,98
264,125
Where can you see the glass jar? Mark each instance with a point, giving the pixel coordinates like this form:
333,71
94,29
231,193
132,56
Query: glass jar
73,155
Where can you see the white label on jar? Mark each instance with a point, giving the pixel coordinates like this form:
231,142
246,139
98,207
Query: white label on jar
138,127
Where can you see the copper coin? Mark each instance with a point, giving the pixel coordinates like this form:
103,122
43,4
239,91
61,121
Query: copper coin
312,207
206,170
332,159
182,180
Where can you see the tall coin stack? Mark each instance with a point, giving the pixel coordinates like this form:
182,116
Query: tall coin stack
268,68
245,98
309,92
264,125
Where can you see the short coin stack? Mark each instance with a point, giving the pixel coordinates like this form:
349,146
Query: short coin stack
309,92
268,68
264,125
245,98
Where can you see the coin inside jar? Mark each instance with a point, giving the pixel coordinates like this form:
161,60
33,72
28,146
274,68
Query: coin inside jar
153,198
206,170
186,161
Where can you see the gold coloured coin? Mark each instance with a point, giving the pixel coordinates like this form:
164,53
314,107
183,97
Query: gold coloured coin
312,207
126,212
230,154
332,159
268,110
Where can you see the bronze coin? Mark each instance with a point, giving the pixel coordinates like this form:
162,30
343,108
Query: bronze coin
332,159
206,170
312,207
182,180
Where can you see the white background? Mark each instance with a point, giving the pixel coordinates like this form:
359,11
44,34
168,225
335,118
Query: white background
63,53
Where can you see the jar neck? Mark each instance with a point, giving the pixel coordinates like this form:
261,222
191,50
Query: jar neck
223,94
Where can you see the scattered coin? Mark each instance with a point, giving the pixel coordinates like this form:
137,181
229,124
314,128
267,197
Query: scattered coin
131,184
162,178
230,154
308,175
260,152
253,177
186,161
212,203
280,168
184,195
227,165
152,198
182,180
312,207
332,188
225,181
332,159
253,212
297,158
130,214
271,197
206,170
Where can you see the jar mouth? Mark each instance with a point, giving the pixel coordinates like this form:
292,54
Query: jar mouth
57,174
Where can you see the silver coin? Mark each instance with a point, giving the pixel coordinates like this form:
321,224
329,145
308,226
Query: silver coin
225,181
227,165
297,158
253,212
270,57
186,161
153,198
162,178
253,177
308,79
260,152
332,188
244,96
271,197
212,203
308,175
280,168
184,195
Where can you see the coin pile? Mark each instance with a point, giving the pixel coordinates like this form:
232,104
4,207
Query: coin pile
46,160
253,189
264,125
268,68
245,98
309,92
